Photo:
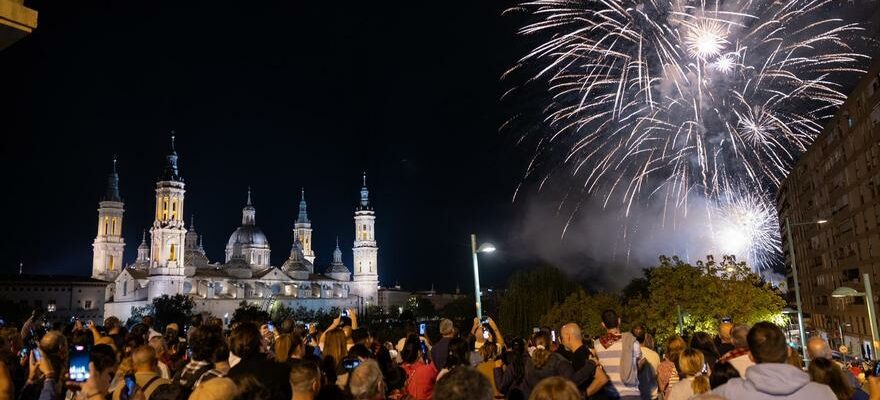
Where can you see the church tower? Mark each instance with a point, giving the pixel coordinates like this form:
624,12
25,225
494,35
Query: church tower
302,229
108,246
366,251
167,235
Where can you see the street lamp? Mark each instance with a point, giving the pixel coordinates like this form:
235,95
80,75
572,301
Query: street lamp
484,248
843,292
797,286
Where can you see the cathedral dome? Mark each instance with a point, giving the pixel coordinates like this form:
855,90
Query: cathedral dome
247,235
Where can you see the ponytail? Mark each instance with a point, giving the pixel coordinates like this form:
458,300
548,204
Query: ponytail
700,384
542,353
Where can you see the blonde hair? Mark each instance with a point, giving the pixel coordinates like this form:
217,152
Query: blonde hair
334,345
488,351
555,388
282,348
215,389
542,353
690,363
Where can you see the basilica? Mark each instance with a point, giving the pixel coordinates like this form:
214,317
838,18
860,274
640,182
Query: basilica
173,261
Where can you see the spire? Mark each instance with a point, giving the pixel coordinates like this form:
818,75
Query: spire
337,254
365,194
144,238
248,213
303,213
171,173
192,222
112,193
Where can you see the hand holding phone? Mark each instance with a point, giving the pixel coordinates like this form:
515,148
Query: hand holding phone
79,363
422,329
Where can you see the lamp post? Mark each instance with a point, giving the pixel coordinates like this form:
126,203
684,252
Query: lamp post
868,294
484,248
797,286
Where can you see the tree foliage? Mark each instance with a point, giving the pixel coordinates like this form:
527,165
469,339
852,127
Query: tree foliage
249,312
530,295
420,307
705,293
165,309
584,309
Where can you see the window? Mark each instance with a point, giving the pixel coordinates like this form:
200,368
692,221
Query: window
113,226
51,306
125,288
88,305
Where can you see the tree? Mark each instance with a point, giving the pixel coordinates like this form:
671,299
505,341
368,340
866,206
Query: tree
704,293
420,307
165,309
530,295
249,312
583,309
461,310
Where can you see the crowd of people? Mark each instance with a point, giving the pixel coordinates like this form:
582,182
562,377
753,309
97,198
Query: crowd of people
207,360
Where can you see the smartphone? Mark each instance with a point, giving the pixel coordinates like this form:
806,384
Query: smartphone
344,312
130,385
485,334
24,353
424,351
553,335
422,329
308,326
726,320
350,364
79,363
484,320
37,355
271,327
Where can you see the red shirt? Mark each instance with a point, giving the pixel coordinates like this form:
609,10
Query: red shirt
420,378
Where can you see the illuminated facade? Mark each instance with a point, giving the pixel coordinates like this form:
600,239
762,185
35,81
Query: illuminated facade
838,180
174,262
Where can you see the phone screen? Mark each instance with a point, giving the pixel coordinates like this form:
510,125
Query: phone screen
79,364
344,313
271,328
422,329
130,385
485,333
37,354
350,364
553,335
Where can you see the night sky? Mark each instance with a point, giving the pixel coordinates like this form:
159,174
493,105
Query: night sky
276,96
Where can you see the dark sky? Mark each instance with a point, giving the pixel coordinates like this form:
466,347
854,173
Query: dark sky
276,96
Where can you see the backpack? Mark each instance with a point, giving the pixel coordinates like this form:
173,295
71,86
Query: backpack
124,395
185,383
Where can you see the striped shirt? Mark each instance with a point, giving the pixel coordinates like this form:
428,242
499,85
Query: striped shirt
610,359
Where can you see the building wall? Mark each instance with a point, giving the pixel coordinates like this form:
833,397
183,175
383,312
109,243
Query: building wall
838,180
84,300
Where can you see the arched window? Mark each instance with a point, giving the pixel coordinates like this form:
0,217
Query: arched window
125,288
113,226
172,256
110,263
106,225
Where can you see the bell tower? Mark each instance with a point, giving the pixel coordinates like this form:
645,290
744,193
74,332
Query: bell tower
366,250
302,228
168,233
109,245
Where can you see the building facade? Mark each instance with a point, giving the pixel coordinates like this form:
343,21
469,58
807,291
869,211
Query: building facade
60,296
174,261
838,180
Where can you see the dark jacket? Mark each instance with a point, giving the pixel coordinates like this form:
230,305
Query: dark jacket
275,376
556,365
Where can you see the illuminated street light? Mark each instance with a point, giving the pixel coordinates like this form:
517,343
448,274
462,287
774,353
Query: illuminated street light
484,248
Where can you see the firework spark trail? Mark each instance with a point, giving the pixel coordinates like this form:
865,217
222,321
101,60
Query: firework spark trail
681,97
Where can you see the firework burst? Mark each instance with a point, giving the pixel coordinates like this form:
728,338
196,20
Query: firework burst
667,98
746,225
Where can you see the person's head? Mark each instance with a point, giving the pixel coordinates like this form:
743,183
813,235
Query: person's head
221,352
365,381
144,359
102,360
412,349
297,347
245,340
794,358
826,372
53,346
767,343
489,351
447,329
463,384
202,341
703,341
721,373
571,336
360,351
215,389
305,377
610,320
691,363
111,324
287,326
158,343
335,345
542,351
555,388
818,348
282,347
458,353
724,330
739,336
362,336
148,321
638,330
674,346
196,321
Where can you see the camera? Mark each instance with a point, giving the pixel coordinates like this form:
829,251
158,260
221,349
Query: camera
349,364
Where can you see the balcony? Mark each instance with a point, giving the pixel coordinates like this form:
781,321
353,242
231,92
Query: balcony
16,21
